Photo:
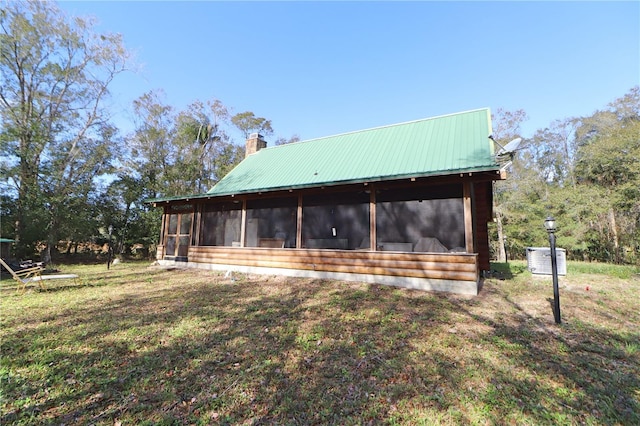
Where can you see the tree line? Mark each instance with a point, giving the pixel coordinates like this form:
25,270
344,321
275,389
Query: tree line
583,171
67,173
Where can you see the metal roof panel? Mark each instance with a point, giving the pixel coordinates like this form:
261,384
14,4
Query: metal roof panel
439,145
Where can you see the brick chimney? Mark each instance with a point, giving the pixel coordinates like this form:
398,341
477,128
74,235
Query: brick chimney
254,144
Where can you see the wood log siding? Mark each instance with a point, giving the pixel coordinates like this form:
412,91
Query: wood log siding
483,197
459,266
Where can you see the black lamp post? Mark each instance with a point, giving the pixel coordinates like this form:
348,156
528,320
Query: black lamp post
550,226
109,250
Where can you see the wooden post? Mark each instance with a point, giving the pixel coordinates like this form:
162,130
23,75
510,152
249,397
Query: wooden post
299,223
373,238
163,227
243,223
197,218
468,217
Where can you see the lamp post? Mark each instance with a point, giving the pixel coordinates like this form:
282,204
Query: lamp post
109,250
550,226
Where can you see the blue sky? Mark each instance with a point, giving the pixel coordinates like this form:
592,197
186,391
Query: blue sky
322,68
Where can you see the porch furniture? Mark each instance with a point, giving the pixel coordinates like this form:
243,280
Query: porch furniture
328,243
271,242
389,246
430,245
32,274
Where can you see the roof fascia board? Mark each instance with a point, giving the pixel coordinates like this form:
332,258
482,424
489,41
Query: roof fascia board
452,173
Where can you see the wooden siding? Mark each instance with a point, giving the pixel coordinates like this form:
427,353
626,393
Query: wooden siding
483,197
468,216
445,266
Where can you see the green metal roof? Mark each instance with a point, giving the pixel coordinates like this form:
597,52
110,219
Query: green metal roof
434,146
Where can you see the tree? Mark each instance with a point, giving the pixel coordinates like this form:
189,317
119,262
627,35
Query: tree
55,136
170,155
151,145
609,158
248,123
585,171
506,128
205,150
554,149
184,153
284,141
122,206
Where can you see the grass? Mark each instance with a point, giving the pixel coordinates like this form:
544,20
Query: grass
140,345
619,271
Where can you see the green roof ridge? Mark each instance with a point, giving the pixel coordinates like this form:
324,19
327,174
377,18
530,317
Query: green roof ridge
384,126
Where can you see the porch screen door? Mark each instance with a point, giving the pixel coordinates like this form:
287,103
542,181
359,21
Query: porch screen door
178,236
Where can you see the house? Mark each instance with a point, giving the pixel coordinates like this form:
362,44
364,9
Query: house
404,205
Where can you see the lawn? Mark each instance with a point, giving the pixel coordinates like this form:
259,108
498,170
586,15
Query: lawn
142,345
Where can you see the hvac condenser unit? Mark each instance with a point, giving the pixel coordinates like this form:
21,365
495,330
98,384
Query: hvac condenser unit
539,260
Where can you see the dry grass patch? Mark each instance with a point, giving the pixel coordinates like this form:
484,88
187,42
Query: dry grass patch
140,345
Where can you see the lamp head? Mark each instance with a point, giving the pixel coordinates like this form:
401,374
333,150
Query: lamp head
550,224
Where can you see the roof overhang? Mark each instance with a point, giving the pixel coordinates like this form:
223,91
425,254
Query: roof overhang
476,175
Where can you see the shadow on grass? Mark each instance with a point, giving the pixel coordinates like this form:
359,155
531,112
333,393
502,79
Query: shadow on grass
590,378
310,352
506,270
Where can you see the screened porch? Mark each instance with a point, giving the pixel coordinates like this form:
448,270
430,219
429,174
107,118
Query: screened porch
427,220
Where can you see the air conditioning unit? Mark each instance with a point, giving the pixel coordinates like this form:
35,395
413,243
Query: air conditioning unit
539,260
